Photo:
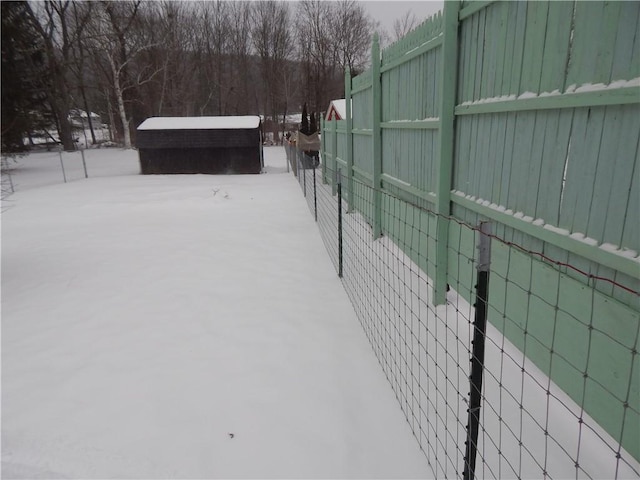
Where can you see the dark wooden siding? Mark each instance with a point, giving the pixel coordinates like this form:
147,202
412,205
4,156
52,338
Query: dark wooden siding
198,138
214,151
200,160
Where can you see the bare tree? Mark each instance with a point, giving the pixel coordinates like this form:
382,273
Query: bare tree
332,36
119,45
215,42
240,50
52,21
131,59
403,25
316,51
272,40
80,17
352,29
24,77
172,30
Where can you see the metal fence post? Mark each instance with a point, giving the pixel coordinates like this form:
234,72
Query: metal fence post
84,164
315,195
287,148
304,176
334,154
477,350
349,139
339,186
376,96
323,146
64,176
325,160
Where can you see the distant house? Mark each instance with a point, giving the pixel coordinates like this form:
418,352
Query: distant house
80,119
337,110
292,122
214,145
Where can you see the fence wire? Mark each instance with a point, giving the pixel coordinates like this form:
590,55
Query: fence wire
528,426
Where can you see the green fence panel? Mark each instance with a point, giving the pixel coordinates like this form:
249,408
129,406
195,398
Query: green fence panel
568,328
546,128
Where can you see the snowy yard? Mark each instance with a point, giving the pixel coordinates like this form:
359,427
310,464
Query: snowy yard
182,327
193,326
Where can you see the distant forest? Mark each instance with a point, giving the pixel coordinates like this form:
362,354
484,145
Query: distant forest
129,60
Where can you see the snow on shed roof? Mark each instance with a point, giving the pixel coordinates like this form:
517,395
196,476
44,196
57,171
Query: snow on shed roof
200,123
339,106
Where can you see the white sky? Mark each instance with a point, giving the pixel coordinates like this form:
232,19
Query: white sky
387,11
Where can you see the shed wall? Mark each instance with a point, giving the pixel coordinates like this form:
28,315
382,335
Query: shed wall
203,138
234,160
209,151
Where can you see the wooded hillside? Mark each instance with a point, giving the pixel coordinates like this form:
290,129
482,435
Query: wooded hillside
130,60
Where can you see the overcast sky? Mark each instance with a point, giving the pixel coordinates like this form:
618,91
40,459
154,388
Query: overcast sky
386,11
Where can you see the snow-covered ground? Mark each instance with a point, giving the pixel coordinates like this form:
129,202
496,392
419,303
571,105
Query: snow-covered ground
182,327
529,427
193,326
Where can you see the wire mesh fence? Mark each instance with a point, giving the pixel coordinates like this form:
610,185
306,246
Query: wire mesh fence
544,386
46,168
20,172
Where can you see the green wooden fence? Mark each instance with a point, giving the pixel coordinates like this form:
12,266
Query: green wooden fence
526,114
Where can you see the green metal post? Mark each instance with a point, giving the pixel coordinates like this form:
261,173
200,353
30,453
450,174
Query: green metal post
64,175
334,155
448,81
478,349
325,159
315,195
84,163
340,255
349,139
323,126
377,136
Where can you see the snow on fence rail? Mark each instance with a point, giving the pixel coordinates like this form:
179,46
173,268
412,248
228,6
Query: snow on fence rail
527,425
555,173
531,106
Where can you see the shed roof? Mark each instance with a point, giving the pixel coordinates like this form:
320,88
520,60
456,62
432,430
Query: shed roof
200,123
340,107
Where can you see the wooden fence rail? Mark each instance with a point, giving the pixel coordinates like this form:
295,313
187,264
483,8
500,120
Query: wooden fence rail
526,114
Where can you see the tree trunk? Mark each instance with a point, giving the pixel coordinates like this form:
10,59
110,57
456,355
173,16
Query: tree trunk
117,88
86,108
83,92
61,111
111,120
123,115
64,127
284,123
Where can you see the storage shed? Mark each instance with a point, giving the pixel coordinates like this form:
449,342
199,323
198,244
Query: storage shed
200,145
337,110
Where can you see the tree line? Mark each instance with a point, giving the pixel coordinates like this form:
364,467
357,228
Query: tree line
132,59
